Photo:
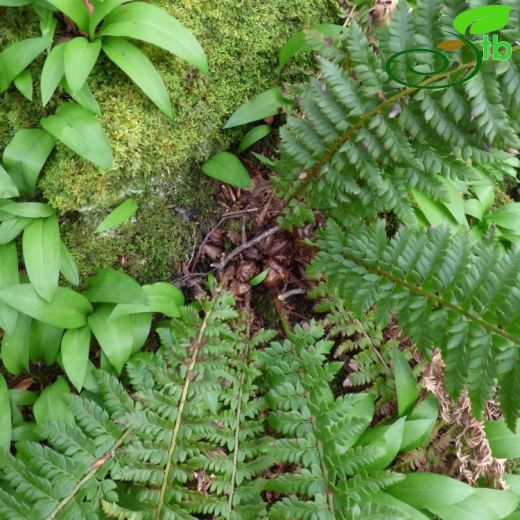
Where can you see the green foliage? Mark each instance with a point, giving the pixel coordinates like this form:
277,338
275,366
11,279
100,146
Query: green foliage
448,292
206,419
358,145
107,25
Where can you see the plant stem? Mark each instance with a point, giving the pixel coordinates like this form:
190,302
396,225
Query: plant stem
173,444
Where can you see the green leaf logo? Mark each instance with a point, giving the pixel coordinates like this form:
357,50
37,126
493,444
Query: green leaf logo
483,19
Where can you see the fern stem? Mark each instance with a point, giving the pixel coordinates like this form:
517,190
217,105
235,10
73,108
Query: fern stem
95,468
334,148
438,299
237,426
173,444
374,348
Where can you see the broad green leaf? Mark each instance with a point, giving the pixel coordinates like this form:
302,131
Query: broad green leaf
484,19
483,504
24,83
51,405
405,382
426,490
44,342
389,439
436,212
79,59
163,298
114,336
116,217
25,156
261,106
140,70
486,195
513,482
141,325
253,136
83,97
11,228
227,168
8,188
420,423
68,310
15,59
507,216
75,10
9,275
15,3
75,348
474,208
42,254
20,397
5,416
110,286
102,8
151,24
68,266
504,443
259,278
455,201
388,500
15,346
52,72
79,129
27,209
298,43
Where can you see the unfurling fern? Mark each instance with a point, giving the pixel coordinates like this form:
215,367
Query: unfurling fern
447,291
358,141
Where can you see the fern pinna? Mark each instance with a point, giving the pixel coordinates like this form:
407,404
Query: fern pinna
201,435
185,442
447,291
355,145
358,141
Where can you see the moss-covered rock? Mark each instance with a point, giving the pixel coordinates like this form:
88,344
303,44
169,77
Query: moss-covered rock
157,161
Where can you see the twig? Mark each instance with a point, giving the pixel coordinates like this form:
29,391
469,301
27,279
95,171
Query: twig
226,259
288,294
232,214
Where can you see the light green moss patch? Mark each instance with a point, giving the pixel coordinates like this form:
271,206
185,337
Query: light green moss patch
156,161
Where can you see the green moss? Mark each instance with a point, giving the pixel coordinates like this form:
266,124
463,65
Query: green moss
153,156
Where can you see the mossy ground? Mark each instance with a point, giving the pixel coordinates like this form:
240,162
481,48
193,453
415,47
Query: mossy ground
156,161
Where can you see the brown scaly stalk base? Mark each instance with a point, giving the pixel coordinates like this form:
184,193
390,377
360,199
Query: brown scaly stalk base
458,444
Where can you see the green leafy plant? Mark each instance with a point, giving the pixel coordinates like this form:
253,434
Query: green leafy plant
191,439
100,26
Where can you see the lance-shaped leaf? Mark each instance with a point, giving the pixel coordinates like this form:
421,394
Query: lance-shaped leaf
5,416
25,156
151,24
52,72
75,10
75,347
116,217
227,168
9,275
15,59
79,129
42,255
52,405
68,310
80,56
24,83
110,286
15,346
114,336
8,188
68,266
140,70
